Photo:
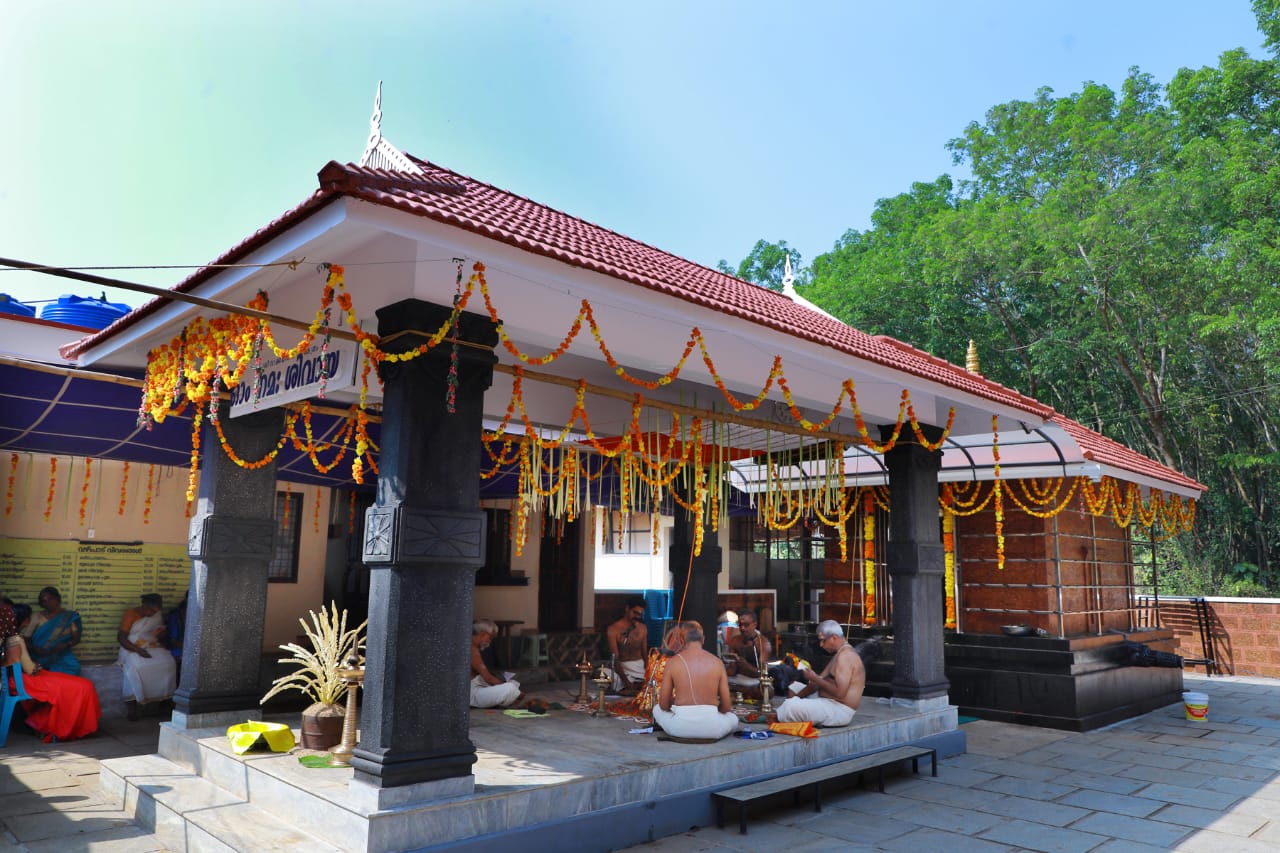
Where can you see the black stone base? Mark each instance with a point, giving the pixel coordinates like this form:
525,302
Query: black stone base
1075,684
392,769
192,703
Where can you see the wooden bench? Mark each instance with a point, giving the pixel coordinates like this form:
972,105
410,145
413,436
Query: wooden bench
743,795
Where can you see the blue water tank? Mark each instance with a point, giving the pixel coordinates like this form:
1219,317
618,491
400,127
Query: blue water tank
87,311
9,305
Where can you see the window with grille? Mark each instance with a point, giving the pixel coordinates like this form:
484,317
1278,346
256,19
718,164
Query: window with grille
284,559
629,534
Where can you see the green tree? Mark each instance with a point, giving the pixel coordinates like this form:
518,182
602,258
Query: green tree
1115,255
764,264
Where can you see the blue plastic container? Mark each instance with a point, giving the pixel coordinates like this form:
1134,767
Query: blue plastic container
9,305
87,311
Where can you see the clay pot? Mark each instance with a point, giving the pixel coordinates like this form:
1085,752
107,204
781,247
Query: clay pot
322,726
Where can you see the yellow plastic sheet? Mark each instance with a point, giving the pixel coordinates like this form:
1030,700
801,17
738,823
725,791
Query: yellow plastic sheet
244,736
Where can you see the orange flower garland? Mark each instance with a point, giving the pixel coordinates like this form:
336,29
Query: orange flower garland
351,514
124,488
13,476
998,488
869,557
146,505
84,489
216,353
315,516
288,490
53,485
949,566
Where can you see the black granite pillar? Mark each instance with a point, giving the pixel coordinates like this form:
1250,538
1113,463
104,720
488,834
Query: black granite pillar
424,539
230,543
699,572
915,562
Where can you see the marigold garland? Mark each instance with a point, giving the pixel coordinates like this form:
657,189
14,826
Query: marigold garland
146,506
13,476
998,487
124,488
949,567
315,517
212,354
351,514
868,557
84,488
53,485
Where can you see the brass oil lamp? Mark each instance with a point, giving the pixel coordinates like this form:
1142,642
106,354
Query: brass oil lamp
584,669
766,693
603,681
353,675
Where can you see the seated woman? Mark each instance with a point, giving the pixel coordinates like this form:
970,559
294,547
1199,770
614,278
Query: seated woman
62,706
52,633
150,674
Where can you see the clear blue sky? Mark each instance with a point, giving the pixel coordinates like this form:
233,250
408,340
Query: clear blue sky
139,133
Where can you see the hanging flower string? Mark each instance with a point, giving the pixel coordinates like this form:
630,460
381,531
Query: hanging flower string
998,488
124,488
868,558
53,485
210,355
451,395
146,506
949,567
84,488
13,476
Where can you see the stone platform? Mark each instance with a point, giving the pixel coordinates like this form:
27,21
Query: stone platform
566,781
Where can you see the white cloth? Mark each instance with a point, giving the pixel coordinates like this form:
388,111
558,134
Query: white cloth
695,721
486,695
632,669
147,679
819,710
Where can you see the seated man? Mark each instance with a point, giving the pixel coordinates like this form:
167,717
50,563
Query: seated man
748,657
839,687
628,638
694,700
488,690
150,674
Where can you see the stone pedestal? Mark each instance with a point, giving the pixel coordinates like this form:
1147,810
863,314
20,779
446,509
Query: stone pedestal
230,543
915,561
424,539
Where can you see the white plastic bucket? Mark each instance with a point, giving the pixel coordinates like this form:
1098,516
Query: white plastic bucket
1196,705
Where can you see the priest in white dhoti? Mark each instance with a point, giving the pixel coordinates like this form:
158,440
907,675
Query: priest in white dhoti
150,674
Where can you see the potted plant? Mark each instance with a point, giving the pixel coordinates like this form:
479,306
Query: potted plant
318,676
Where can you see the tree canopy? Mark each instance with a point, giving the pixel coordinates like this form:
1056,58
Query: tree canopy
1116,255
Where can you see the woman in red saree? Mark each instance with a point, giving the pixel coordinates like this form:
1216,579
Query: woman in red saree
62,707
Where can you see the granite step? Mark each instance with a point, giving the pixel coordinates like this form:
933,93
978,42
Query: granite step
189,813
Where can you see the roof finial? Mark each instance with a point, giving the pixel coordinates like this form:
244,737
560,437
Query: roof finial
379,153
971,358
788,279
375,127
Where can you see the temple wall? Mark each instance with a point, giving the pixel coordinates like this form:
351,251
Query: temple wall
1089,555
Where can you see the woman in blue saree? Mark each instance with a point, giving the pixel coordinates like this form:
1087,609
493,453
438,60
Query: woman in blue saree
52,633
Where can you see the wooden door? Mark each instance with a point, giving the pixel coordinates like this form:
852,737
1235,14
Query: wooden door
558,578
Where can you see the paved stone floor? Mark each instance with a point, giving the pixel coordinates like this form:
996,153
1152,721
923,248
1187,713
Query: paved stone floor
1153,783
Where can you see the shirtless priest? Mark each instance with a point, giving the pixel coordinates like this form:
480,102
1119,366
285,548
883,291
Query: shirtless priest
628,639
694,699
839,687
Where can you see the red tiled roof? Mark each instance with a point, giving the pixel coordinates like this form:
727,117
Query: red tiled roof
454,199
1098,448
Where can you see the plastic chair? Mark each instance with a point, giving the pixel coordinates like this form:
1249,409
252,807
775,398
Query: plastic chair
535,650
12,696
